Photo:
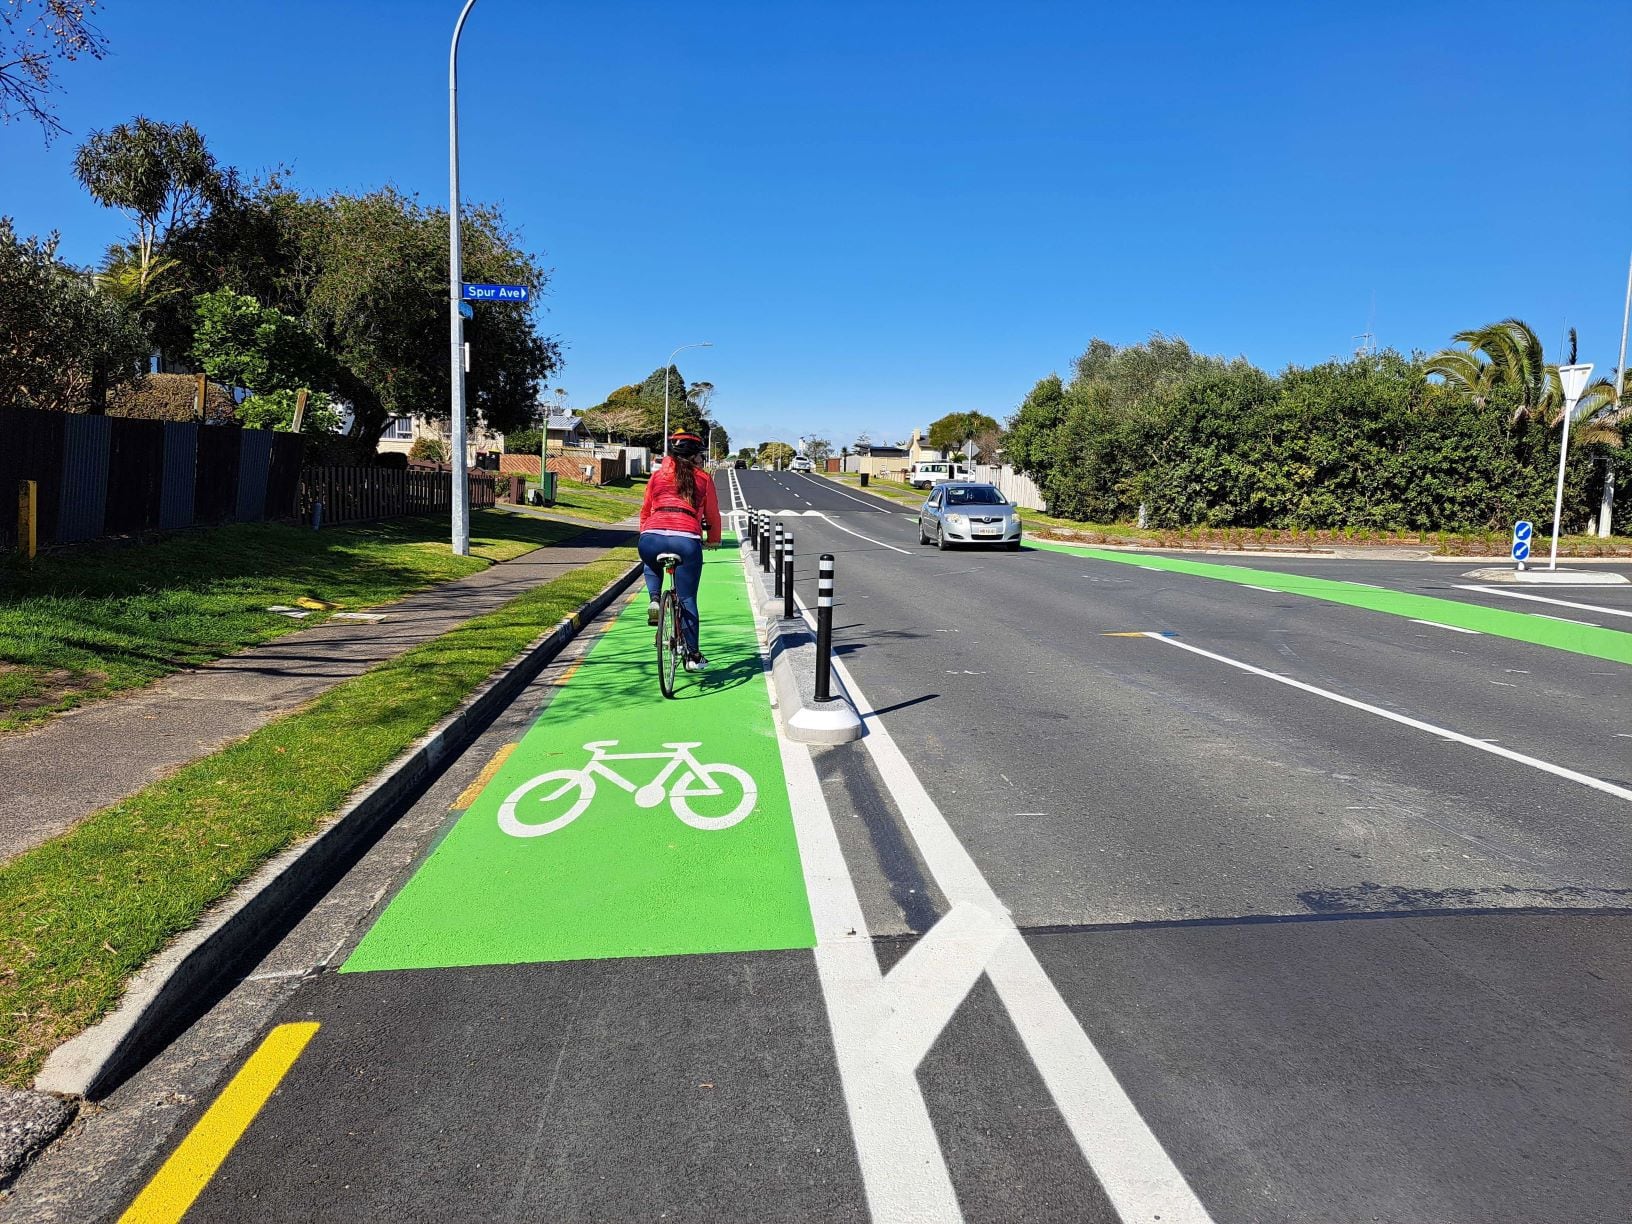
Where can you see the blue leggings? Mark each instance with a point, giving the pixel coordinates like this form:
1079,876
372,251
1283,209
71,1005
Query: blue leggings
686,575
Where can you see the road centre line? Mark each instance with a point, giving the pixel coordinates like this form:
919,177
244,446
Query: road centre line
1437,625
1138,1176
1456,737
186,1171
1559,603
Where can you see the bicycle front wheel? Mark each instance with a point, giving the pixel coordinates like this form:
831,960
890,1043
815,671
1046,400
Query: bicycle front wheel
670,645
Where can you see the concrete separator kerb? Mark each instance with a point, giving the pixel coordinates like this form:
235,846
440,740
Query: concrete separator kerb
791,647
172,990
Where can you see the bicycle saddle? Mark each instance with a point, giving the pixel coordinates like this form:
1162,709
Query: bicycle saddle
668,559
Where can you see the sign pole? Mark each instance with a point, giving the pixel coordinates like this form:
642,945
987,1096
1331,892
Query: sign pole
456,323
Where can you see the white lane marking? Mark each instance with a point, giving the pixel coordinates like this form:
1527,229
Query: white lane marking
905,552
1557,603
1567,620
1456,737
1249,585
1437,625
903,1170
1137,1174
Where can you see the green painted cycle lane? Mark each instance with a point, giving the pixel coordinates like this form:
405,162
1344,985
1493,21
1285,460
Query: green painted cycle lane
600,836
1591,640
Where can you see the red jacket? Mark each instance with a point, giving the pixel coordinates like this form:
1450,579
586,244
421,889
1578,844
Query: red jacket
666,510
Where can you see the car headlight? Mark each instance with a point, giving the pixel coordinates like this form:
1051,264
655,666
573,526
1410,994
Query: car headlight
958,520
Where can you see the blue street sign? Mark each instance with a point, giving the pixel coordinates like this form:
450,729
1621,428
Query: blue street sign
466,310
496,293
1522,531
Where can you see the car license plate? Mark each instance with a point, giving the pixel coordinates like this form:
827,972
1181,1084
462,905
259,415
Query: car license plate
988,531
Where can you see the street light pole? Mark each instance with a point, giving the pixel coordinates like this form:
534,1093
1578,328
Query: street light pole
666,367
1572,380
456,323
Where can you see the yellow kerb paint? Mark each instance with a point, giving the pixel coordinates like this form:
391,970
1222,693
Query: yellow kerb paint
469,794
182,1178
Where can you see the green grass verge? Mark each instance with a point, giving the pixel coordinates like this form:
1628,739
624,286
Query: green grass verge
88,622
604,505
81,913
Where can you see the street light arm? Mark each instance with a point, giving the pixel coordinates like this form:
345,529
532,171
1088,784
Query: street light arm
667,366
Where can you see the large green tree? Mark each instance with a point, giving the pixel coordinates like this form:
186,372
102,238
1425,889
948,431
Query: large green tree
241,343
161,175
62,343
954,430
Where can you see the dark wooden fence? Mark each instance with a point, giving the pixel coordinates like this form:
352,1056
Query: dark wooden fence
105,476
354,494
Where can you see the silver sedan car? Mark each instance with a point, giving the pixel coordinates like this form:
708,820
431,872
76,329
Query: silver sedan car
964,512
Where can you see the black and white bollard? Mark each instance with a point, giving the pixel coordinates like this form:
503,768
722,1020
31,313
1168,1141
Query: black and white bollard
776,557
765,549
787,575
824,628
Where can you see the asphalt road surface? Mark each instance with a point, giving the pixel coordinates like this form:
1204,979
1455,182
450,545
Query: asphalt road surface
1149,896
1346,969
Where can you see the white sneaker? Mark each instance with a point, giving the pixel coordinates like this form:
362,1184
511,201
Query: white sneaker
654,612
696,663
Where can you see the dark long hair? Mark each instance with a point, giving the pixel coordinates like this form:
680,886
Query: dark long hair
685,476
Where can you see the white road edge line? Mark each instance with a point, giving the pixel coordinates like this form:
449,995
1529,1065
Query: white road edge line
1566,619
1558,603
1138,1176
1456,737
1437,625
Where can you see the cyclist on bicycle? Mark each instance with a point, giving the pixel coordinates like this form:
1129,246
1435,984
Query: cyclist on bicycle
680,508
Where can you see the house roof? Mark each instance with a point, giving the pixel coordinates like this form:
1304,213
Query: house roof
563,420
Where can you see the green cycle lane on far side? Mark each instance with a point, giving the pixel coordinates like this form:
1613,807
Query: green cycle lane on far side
1591,640
571,853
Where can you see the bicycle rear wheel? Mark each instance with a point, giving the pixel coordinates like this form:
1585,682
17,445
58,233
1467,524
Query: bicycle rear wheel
669,647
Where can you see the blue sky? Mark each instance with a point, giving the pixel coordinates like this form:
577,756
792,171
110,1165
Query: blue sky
880,213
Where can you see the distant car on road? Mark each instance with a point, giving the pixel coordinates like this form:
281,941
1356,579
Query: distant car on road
800,463
964,512
741,465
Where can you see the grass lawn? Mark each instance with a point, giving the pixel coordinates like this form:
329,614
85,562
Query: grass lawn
1445,543
91,621
81,913
604,504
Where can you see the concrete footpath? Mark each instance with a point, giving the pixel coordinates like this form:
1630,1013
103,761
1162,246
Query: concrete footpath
83,760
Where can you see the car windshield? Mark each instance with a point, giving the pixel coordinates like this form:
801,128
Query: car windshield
974,495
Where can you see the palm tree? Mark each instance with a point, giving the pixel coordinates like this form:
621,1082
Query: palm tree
1506,354
1598,417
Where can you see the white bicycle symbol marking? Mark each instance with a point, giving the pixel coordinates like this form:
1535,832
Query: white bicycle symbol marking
698,781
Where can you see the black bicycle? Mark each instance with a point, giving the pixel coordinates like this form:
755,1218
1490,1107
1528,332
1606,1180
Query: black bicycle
671,642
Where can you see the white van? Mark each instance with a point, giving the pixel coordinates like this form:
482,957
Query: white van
927,474
800,463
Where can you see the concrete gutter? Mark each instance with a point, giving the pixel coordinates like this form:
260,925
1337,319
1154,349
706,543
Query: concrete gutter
791,645
184,980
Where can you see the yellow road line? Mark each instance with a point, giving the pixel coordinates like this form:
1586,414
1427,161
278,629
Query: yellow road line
468,795
182,1178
